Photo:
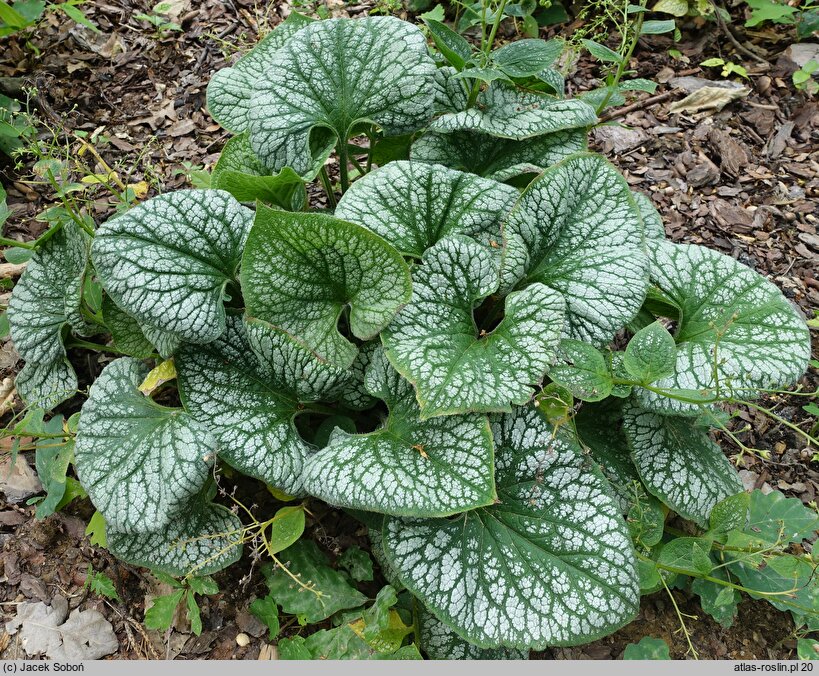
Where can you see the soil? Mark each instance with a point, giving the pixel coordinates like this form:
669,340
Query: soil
742,181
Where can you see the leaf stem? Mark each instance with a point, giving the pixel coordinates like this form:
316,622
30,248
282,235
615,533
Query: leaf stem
5,241
328,187
344,161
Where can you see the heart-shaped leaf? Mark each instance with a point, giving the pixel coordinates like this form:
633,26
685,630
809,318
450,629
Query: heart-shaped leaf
408,467
583,370
231,89
455,366
246,387
733,322
240,173
43,300
651,354
300,272
505,111
551,564
371,71
497,158
451,93
577,230
413,205
140,462
167,261
202,539
679,463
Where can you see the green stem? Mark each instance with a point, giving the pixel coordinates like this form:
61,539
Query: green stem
621,67
725,583
5,241
498,18
344,161
328,187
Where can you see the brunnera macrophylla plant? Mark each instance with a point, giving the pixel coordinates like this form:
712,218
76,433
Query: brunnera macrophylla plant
399,355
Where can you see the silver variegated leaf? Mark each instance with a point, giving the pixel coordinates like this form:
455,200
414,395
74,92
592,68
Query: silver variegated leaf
505,111
653,227
240,173
231,89
731,317
246,387
451,95
436,467
354,394
439,642
679,463
456,367
413,205
46,295
576,229
300,271
167,261
140,462
497,158
201,540
331,77
550,564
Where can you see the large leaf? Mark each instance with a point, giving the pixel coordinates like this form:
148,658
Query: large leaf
246,387
413,205
231,89
329,590
201,540
333,77
733,322
408,467
508,112
240,173
497,158
167,261
679,463
300,272
440,642
577,230
140,462
47,294
775,518
455,366
550,564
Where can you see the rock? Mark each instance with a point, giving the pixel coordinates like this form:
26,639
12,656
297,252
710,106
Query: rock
44,630
242,640
21,483
619,139
705,172
691,84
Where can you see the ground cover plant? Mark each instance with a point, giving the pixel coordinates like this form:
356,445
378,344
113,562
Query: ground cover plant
487,352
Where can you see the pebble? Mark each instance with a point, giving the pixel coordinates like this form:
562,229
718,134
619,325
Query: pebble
242,640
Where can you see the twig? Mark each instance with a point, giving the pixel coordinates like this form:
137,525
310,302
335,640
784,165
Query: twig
737,44
639,105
